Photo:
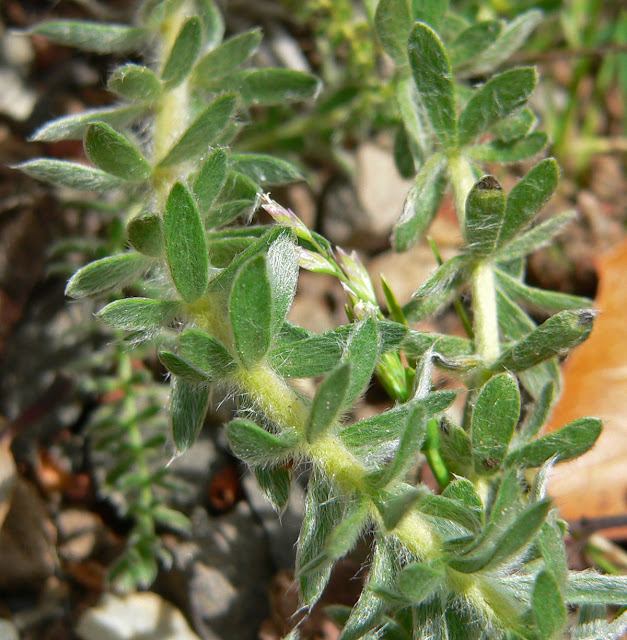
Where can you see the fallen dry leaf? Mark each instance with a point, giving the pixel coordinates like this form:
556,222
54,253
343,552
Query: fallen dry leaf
595,384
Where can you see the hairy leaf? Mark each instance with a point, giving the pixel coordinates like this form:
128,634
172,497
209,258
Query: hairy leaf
138,314
421,204
255,445
115,154
69,174
204,130
188,406
145,234
485,216
185,244
327,403
135,83
264,169
549,610
228,56
183,54
494,419
432,73
496,99
206,353
251,311
107,275
510,151
92,36
571,441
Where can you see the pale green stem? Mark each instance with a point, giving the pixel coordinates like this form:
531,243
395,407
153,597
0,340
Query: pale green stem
288,410
485,326
462,179
172,113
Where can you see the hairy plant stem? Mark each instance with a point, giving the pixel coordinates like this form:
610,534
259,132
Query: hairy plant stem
172,113
279,402
483,284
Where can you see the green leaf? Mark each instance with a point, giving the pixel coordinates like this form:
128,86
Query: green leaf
183,54
455,448
493,550
421,204
212,22
558,335
251,311
510,151
204,130
314,356
135,83
92,36
394,508
432,73
264,169
463,491
366,614
549,610
107,275
528,197
588,587
345,535
206,353
403,154
272,86
553,549
181,368
430,12
366,437
568,442
210,179
437,291
418,581
145,234
188,407
115,154
495,100
485,214
494,419
471,42
228,56
393,23
69,174
538,237
512,37
448,509
327,404
322,511
518,125
275,482
538,299
224,280
282,263
417,343
73,127
139,314
408,450
362,351
255,445
172,519
185,244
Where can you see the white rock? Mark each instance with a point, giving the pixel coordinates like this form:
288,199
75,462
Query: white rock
138,616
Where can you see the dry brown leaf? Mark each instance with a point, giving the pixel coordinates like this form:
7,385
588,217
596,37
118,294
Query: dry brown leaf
595,384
